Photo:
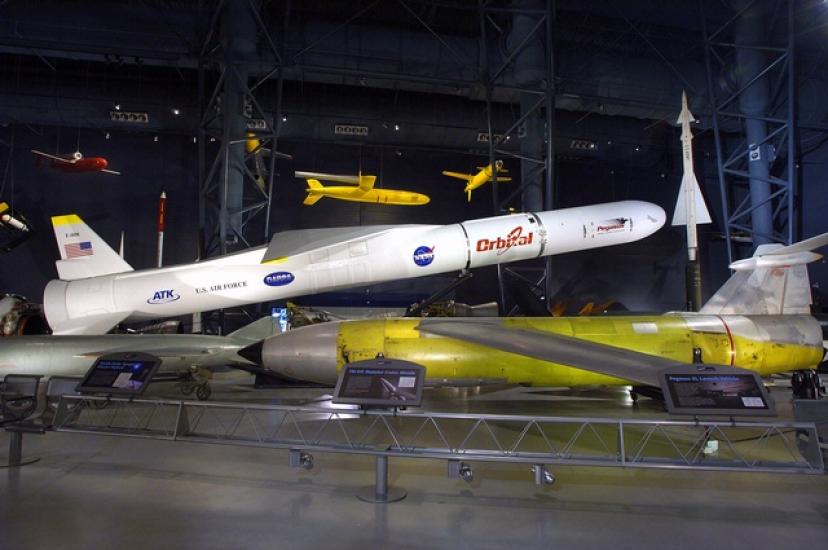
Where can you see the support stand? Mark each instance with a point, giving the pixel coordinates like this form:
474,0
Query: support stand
16,452
380,493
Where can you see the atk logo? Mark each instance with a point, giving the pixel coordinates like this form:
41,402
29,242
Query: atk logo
502,245
163,297
612,226
424,255
279,278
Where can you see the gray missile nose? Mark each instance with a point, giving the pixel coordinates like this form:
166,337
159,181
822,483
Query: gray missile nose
306,353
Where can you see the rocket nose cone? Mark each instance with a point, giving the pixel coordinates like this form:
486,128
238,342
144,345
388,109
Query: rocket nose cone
307,353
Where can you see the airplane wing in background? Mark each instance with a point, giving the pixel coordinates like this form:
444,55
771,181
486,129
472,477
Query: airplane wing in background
458,175
328,177
53,157
555,348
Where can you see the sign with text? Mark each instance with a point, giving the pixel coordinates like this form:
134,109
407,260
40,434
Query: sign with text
381,383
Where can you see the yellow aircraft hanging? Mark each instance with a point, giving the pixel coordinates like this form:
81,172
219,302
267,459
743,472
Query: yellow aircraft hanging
363,191
473,181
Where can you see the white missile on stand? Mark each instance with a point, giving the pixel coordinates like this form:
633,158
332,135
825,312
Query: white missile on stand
691,209
97,289
162,215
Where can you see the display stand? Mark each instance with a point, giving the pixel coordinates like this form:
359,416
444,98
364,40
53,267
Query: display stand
381,493
18,403
381,383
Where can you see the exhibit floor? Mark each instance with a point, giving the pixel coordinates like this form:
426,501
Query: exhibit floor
95,491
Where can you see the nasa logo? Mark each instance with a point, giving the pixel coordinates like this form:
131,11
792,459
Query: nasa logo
279,278
424,255
163,297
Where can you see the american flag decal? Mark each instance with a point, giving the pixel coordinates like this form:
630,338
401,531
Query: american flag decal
74,250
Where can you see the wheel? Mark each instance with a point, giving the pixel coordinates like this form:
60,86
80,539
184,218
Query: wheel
203,392
187,388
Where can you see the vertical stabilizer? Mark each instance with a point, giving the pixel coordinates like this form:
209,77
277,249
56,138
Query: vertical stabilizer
82,252
773,282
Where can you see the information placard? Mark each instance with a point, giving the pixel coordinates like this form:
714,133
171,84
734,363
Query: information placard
715,390
120,373
380,383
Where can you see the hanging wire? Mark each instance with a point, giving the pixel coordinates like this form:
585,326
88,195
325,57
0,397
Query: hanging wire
7,170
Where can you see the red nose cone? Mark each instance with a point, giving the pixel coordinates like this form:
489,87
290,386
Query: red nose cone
101,163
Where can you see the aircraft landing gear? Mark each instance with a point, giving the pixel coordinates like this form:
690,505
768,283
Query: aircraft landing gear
203,391
195,381
807,385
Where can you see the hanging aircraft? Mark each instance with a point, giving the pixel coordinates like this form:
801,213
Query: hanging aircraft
188,357
256,153
77,163
758,320
14,229
361,190
97,289
473,181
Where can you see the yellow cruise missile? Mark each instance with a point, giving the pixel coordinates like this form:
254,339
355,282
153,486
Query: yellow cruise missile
473,181
759,320
360,189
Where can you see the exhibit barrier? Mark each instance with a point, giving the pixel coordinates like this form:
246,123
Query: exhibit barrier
733,445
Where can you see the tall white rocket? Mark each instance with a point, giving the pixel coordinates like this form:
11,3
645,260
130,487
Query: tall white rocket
690,207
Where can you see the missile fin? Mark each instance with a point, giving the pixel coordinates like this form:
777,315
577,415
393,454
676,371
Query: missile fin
556,348
311,199
680,213
297,241
91,324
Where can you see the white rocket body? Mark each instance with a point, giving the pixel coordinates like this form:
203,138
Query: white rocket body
307,262
691,209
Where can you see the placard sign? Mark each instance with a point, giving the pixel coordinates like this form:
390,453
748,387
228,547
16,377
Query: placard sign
715,390
120,373
380,383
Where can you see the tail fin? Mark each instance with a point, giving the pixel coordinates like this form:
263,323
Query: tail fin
257,330
773,282
82,252
312,197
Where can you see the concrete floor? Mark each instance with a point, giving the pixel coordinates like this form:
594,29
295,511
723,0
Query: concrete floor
95,491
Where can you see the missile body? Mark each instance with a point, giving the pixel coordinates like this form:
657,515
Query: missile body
766,344
311,261
690,207
162,219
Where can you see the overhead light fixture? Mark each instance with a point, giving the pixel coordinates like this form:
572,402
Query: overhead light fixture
195,139
107,135
128,116
176,112
117,106
637,148
397,127
582,144
212,139
284,118
155,138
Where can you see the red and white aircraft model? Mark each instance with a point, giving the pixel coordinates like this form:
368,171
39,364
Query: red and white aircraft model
76,163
